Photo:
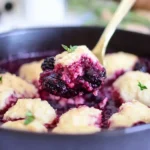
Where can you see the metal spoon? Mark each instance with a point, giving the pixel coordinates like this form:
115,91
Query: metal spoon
100,48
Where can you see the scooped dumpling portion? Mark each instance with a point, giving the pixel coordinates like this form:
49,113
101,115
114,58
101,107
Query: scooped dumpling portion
22,88
74,72
119,61
41,110
79,120
34,126
130,114
31,71
133,85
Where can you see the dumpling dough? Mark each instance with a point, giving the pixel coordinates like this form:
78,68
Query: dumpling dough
31,71
119,61
20,86
129,114
79,120
67,59
41,110
128,89
34,126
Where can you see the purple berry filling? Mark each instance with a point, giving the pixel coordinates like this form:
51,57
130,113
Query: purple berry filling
79,78
143,65
110,108
11,101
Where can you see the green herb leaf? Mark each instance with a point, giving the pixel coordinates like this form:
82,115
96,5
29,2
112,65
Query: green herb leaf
69,49
1,79
141,86
29,118
73,47
65,47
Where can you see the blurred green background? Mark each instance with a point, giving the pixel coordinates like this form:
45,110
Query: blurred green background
99,12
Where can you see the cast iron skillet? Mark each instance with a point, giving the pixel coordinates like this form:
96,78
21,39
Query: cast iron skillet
40,40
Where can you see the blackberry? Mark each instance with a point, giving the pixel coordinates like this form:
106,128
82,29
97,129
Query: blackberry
142,65
48,64
54,85
95,77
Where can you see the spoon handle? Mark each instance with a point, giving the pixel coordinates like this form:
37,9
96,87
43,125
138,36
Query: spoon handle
100,48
